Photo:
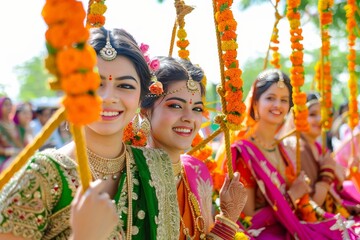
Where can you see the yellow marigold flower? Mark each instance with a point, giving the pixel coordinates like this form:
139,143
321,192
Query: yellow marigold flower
229,45
98,8
181,33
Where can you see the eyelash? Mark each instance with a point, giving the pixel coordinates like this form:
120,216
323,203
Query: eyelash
123,85
177,106
283,100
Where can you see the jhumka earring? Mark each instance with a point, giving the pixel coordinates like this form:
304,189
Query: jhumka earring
108,53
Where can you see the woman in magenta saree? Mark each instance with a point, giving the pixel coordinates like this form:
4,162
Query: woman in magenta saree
267,171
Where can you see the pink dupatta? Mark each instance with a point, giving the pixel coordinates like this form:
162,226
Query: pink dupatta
279,212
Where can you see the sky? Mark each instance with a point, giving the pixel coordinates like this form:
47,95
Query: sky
23,29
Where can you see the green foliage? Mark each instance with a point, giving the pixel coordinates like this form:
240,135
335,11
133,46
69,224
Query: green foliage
33,77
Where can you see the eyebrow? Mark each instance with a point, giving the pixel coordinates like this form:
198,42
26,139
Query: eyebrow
126,77
182,100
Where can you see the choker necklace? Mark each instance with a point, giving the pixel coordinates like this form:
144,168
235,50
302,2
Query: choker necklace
266,147
104,167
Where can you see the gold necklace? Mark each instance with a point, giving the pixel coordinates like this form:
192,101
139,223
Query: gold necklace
177,170
104,167
267,147
195,212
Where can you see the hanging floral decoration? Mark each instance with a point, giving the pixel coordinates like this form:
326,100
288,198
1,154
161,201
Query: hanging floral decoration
226,26
181,10
323,67
95,16
351,9
274,41
304,209
297,69
71,60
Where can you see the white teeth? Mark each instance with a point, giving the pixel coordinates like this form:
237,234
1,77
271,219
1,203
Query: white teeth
109,114
184,130
275,112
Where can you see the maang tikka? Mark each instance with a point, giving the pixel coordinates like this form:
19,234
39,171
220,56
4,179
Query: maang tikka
108,53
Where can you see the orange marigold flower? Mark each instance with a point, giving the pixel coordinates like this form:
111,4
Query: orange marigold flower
80,83
82,109
218,180
234,119
229,55
61,11
183,54
233,73
228,35
225,15
96,20
293,3
70,60
182,43
61,35
197,139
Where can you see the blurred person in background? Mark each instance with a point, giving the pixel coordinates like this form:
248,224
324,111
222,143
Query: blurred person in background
10,143
42,115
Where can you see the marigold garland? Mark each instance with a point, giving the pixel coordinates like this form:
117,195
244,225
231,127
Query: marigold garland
353,118
305,210
324,66
72,60
182,9
226,26
95,17
297,70
274,41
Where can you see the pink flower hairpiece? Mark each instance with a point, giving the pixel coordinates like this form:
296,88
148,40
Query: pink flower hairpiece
155,87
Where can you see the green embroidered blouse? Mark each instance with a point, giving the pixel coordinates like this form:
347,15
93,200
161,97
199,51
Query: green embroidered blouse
35,204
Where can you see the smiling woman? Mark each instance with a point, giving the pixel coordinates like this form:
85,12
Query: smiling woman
138,180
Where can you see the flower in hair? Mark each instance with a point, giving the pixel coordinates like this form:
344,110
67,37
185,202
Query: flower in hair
156,87
154,64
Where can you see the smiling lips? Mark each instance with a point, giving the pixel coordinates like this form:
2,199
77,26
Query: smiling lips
110,114
183,131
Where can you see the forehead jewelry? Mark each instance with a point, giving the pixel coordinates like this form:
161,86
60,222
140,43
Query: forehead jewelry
108,53
191,85
110,77
281,82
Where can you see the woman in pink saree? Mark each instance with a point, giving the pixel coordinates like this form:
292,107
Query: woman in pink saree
267,170
330,189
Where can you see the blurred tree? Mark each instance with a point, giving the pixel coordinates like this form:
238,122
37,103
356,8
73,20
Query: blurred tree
33,77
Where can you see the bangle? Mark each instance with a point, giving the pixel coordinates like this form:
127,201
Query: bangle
224,229
327,174
227,222
327,166
326,179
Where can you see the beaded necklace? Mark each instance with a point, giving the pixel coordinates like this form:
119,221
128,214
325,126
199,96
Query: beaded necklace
195,212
